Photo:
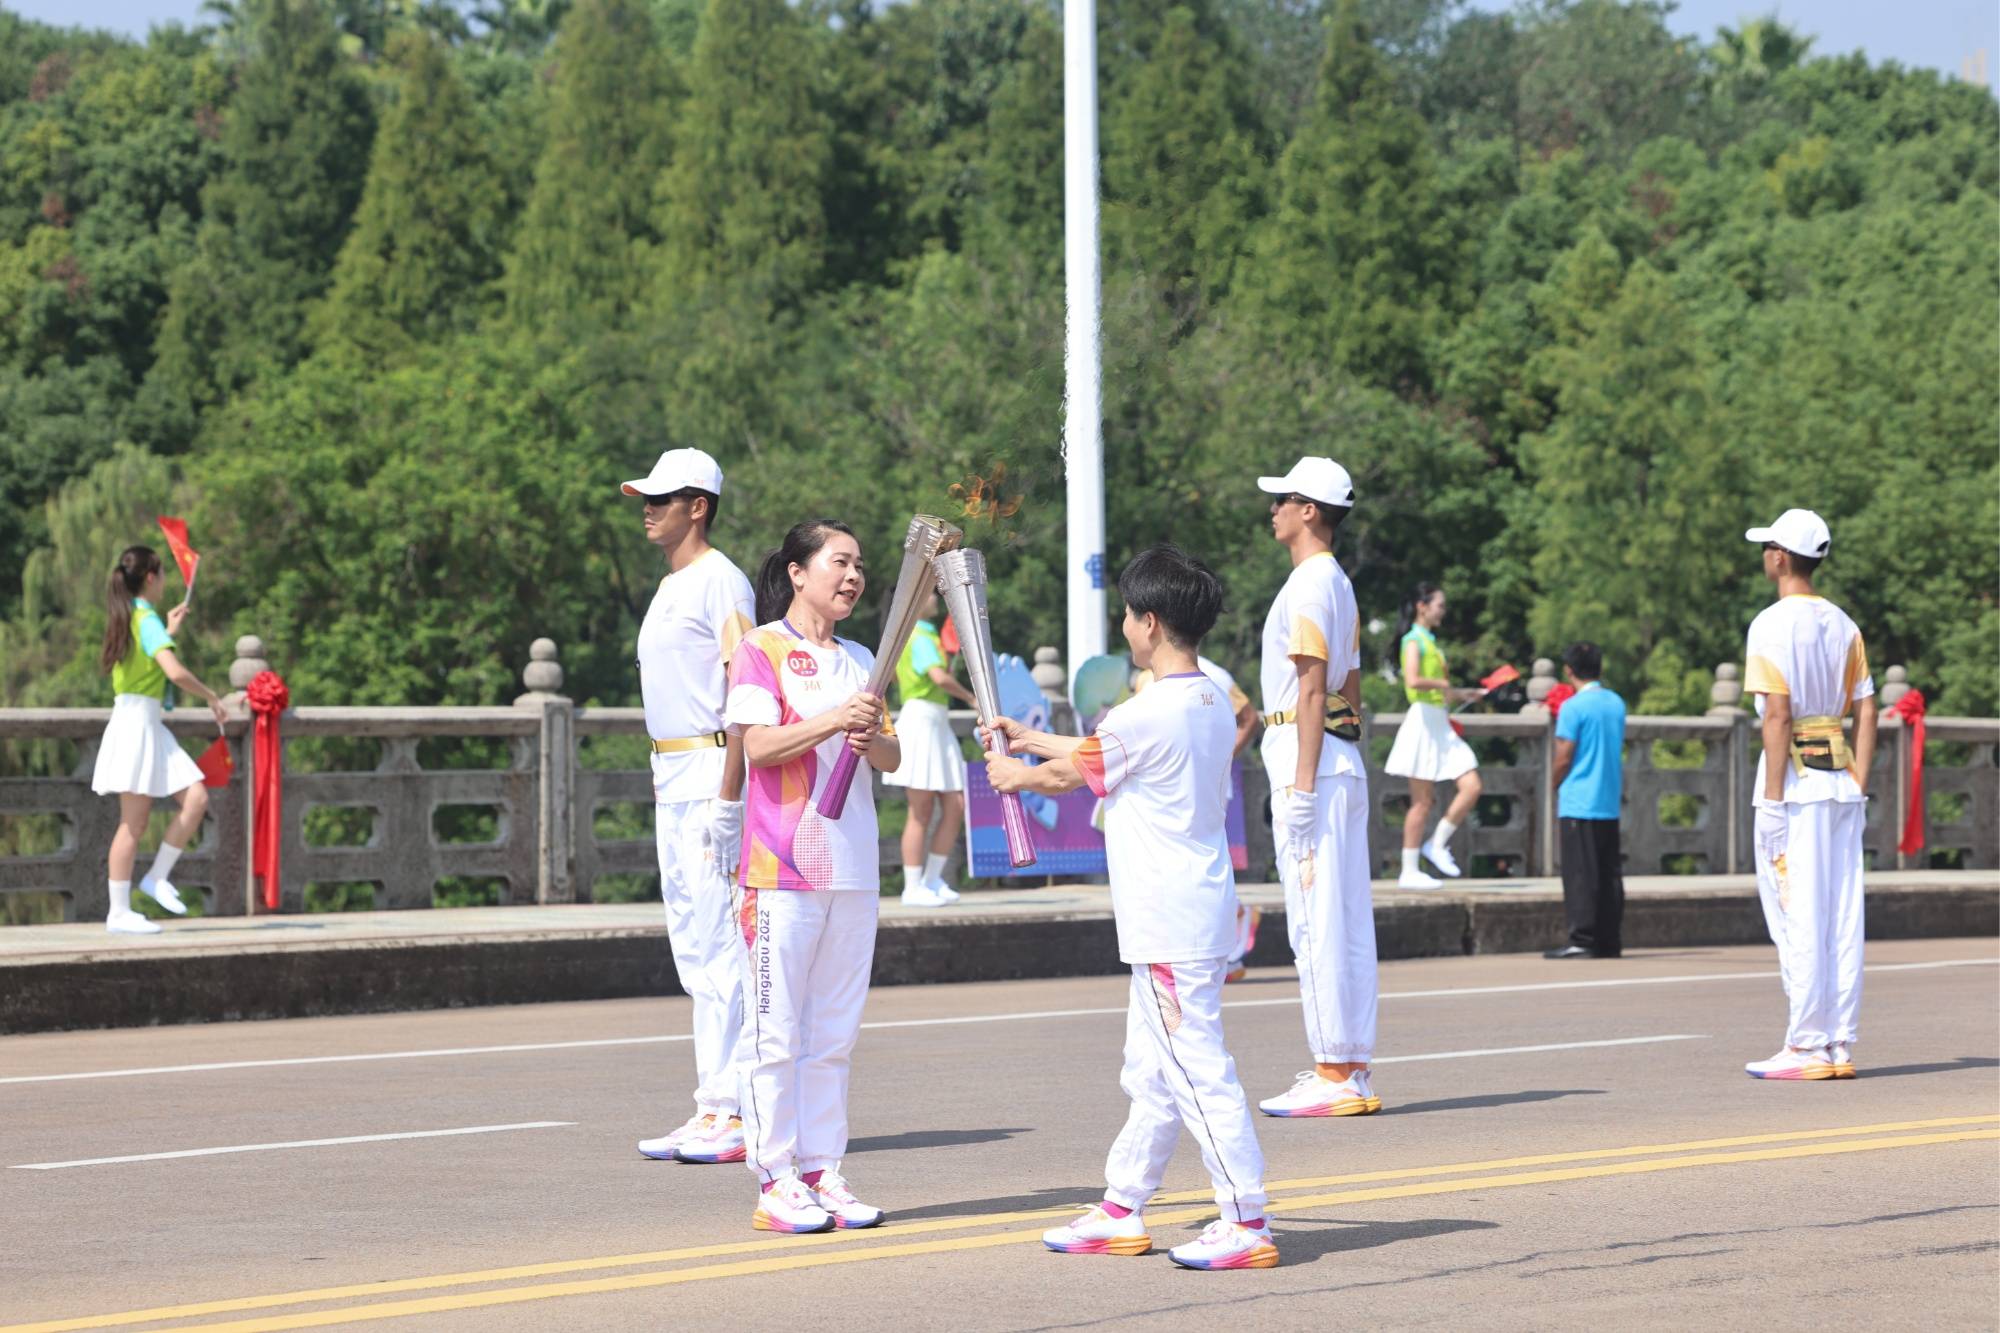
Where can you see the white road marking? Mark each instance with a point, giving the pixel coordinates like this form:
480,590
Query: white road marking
947,1022
1530,1050
295,1143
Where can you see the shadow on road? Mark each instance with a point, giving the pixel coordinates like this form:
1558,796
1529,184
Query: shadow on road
1075,1198
1941,1067
1491,1099
1303,1239
932,1138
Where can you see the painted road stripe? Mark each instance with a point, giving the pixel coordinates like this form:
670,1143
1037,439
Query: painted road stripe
766,1244
783,1263
294,1143
1029,1016
1530,1050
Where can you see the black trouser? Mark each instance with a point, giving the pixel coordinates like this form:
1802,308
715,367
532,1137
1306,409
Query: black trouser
1593,885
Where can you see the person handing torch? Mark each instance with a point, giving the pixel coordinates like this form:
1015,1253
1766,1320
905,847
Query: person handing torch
961,581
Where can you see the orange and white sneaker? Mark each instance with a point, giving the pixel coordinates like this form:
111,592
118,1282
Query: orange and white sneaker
1317,1095
788,1206
1790,1063
662,1148
1841,1056
720,1140
1098,1232
1228,1244
848,1212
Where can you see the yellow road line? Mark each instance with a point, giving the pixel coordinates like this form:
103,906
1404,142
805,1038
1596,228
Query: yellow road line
777,1264
765,1244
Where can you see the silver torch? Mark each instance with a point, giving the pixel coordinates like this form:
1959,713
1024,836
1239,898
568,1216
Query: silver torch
927,537
961,580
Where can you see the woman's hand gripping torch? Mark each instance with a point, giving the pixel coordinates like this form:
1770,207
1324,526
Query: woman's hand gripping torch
961,581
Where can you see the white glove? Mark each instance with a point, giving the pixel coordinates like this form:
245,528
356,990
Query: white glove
1298,821
1772,826
725,833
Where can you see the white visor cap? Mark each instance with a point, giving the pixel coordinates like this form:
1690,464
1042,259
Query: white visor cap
1318,479
679,470
1800,531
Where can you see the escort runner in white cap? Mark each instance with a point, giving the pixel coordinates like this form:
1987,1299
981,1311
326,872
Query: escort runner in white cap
700,613
1311,678
1807,665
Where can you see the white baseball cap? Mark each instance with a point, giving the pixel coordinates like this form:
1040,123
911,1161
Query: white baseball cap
1800,531
679,470
1319,479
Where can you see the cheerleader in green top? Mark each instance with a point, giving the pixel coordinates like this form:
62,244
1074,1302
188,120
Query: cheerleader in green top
139,760
1427,751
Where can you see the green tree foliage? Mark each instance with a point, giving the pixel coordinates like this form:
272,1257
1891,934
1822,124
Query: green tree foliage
1349,269
431,229
388,296
583,253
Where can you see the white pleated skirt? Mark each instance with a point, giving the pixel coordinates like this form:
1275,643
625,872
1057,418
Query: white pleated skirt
1427,748
931,757
138,754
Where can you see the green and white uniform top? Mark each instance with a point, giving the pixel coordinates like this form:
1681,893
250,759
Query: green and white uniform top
137,672
1430,664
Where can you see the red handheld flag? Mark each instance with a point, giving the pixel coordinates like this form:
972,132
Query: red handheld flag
184,555
1500,675
216,764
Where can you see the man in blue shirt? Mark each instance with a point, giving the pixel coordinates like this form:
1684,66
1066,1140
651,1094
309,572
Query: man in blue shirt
1590,766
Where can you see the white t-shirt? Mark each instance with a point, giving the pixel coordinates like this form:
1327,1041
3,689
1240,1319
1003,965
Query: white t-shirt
1223,681
1313,616
1160,761
1807,647
775,679
691,630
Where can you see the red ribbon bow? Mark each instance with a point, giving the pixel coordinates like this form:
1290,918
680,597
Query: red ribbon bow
1911,709
1559,693
268,697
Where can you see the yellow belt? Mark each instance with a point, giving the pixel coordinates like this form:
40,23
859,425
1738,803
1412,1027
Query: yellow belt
1341,719
1819,742
714,740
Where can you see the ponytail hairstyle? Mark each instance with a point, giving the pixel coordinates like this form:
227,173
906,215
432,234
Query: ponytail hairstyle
774,576
128,578
1407,618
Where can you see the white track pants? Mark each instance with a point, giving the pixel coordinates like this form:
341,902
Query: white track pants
707,953
806,959
1330,917
1177,1072
1815,914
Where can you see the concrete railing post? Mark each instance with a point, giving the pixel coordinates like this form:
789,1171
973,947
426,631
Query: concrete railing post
1725,700
555,824
249,661
1541,680
1896,684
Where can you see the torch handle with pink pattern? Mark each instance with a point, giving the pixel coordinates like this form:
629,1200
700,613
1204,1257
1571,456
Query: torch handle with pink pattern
926,537
961,580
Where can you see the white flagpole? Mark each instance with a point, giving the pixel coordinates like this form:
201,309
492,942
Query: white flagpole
1083,439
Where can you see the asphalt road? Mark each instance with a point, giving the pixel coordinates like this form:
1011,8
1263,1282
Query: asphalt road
1620,1169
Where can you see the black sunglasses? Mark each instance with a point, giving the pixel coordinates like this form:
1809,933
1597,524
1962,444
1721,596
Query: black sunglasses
1296,499
669,497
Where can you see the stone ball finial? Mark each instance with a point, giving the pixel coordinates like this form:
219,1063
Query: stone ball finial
1048,672
1541,679
1725,696
249,661
1895,684
544,674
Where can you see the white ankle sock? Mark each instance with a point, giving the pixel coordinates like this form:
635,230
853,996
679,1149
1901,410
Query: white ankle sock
1445,829
1409,861
163,864
121,895
934,869
912,877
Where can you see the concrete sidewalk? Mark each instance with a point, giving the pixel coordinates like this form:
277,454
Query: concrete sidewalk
218,968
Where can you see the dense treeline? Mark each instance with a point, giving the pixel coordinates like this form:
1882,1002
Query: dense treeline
387,298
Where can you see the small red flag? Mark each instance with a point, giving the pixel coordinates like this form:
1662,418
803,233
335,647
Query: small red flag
216,764
948,640
1501,675
184,555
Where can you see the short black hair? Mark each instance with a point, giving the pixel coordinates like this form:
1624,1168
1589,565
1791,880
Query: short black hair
1334,515
1584,659
1804,565
1165,581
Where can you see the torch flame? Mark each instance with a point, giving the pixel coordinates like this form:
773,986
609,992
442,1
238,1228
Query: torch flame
981,497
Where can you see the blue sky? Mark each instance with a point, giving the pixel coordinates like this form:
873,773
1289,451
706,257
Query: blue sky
1939,34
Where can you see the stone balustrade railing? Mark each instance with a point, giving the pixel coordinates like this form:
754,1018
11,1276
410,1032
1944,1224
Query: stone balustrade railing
540,789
